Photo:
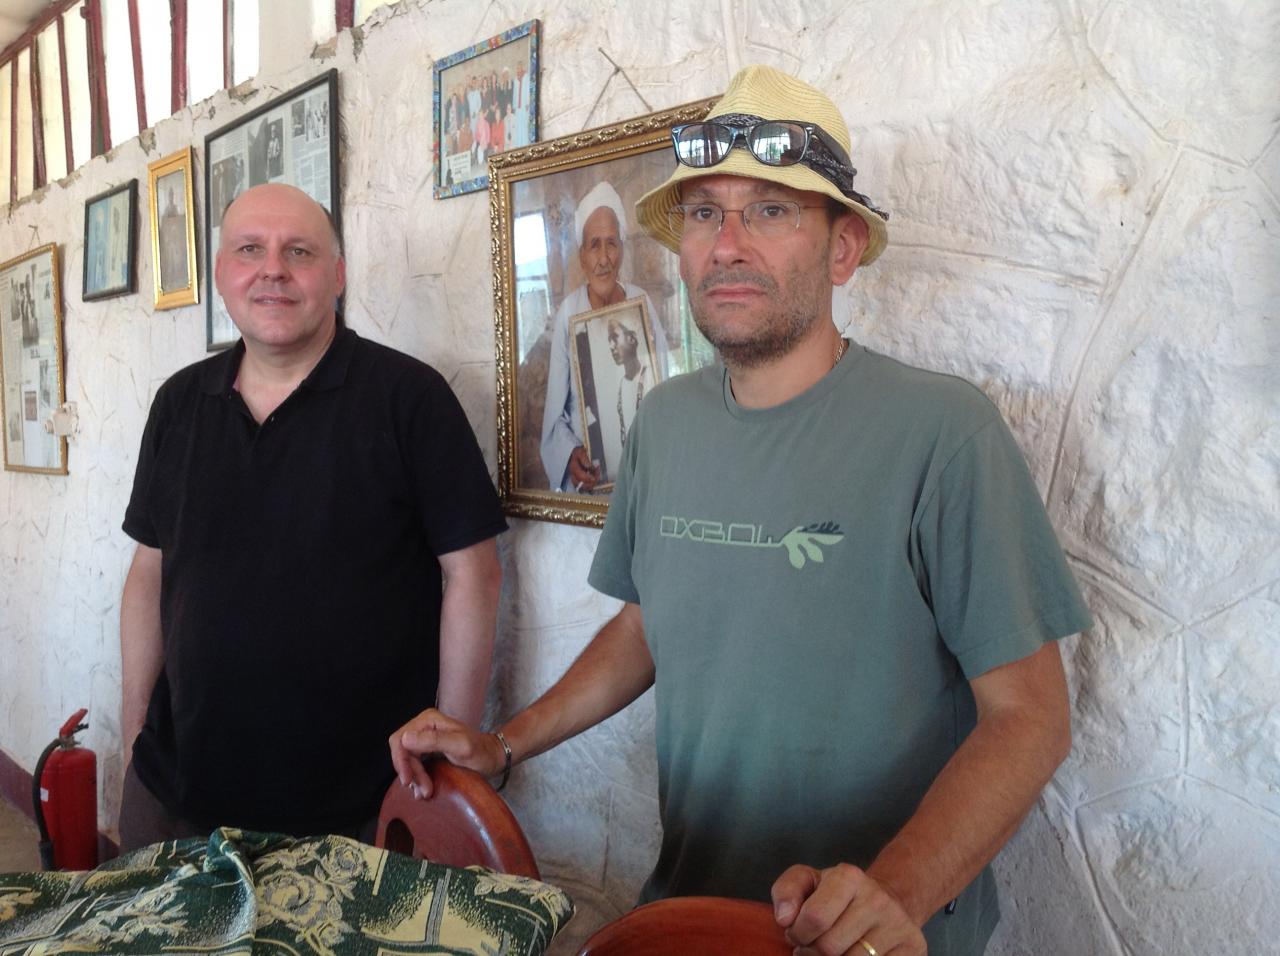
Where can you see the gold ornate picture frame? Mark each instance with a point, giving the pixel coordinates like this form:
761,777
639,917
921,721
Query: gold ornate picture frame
544,274
32,376
173,230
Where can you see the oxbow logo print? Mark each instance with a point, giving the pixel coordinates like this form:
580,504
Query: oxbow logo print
803,544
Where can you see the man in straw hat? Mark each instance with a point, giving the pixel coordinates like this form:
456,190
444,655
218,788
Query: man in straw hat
850,590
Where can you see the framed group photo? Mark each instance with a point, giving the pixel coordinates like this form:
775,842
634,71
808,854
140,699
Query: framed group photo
111,243
31,359
173,230
484,101
293,139
571,267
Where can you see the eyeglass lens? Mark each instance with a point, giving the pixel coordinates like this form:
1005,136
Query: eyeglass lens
774,143
778,144
767,217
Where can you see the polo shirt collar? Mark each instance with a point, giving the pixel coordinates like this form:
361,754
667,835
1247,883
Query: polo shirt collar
219,373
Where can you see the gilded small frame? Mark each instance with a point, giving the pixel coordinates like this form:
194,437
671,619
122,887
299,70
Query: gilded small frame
32,376
541,199
173,230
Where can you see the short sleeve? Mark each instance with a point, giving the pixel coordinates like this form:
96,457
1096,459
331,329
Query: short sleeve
138,523
453,491
611,567
988,560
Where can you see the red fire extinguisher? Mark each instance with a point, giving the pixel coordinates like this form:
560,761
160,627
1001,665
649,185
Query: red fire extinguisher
65,787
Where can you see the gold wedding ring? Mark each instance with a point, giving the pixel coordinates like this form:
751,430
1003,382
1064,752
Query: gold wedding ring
871,950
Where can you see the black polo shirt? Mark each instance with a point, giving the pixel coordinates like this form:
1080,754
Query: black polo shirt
300,595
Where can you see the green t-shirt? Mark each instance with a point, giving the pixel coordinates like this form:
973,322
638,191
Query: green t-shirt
818,580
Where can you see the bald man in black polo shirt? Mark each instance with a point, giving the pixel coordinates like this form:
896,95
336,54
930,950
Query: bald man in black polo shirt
315,561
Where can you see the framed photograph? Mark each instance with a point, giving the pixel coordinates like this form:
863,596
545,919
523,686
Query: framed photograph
614,363
110,243
568,256
485,101
292,139
173,231
32,382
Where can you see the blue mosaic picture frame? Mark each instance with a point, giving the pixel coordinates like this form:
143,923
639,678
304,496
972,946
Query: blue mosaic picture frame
484,100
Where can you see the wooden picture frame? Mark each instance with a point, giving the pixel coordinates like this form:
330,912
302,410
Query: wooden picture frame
536,195
173,230
111,243
32,376
489,85
291,139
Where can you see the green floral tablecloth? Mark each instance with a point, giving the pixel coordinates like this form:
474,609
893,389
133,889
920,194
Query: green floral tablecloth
243,892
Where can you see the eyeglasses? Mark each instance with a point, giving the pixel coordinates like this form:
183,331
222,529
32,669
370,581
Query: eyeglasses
772,142
767,218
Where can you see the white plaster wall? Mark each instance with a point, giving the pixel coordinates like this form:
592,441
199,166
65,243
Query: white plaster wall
1085,198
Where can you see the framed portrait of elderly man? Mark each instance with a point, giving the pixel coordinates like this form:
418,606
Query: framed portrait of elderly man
568,255
173,231
614,363
484,101
32,383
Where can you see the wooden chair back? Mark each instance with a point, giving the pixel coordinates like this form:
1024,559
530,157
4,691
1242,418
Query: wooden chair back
705,925
464,823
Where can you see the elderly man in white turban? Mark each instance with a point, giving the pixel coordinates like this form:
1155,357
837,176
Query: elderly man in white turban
601,230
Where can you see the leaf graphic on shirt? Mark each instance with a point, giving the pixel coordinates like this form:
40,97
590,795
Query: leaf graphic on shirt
802,543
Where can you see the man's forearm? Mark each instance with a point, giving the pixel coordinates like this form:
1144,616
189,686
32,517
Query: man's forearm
611,672
983,793
141,642
468,619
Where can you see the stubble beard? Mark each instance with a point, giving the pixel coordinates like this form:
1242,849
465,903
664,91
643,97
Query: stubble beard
777,331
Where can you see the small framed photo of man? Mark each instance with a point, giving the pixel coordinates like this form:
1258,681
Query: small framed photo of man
110,243
173,231
614,363
484,101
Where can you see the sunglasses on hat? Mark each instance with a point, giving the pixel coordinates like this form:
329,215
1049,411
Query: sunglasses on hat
773,143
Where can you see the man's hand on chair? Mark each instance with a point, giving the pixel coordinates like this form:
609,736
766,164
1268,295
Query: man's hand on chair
432,732
843,910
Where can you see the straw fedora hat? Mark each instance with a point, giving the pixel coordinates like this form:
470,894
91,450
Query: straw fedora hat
765,92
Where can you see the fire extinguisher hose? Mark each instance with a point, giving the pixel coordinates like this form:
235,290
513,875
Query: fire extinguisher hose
46,844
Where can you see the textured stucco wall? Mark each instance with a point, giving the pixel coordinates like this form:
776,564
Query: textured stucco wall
1085,199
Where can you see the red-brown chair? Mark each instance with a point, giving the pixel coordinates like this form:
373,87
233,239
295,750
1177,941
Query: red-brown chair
464,823
702,925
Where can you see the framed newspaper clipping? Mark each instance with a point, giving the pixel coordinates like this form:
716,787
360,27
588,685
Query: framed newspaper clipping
292,139
32,382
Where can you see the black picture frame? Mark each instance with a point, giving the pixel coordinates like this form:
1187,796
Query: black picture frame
291,139
111,243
